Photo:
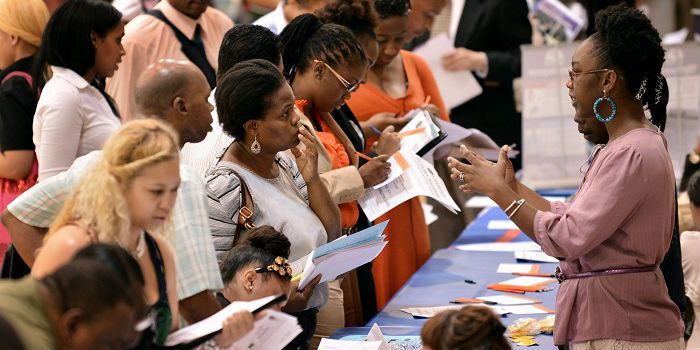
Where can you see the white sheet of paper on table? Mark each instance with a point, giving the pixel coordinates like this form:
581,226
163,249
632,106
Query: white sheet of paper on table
430,311
519,268
333,344
509,300
501,225
455,87
375,334
420,179
537,256
499,246
534,309
214,322
273,332
486,202
527,281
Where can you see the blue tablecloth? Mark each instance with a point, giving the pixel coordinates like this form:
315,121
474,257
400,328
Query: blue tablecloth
441,279
478,232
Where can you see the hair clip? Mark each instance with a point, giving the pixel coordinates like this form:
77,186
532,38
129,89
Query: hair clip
659,88
642,90
280,265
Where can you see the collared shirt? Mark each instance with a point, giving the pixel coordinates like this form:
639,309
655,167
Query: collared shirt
202,155
274,21
148,39
72,119
197,270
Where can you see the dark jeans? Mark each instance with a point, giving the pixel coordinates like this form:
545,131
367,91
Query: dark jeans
307,321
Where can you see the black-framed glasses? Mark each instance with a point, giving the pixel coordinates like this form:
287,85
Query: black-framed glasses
350,88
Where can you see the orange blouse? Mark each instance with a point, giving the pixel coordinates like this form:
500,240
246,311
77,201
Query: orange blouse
407,233
341,155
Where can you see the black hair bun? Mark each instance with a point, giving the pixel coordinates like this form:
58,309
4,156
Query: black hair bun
270,240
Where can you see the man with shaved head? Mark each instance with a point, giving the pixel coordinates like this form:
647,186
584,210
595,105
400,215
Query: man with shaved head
176,92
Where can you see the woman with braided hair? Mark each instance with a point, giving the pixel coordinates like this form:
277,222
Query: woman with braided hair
612,237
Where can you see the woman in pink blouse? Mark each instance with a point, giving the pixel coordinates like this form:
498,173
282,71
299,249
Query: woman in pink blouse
612,237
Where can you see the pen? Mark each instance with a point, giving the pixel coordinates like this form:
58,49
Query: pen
472,301
375,130
533,274
296,278
470,281
427,101
363,156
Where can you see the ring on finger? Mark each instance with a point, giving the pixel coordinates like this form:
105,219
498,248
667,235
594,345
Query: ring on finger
461,177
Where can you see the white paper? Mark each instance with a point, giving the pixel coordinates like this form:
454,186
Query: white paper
455,87
333,344
527,281
519,268
420,179
526,309
509,300
415,142
273,332
214,322
430,217
499,247
538,256
430,311
336,264
375,334
486,202
398,166
501,225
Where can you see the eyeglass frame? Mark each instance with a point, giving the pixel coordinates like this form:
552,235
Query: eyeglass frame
350,88
573,74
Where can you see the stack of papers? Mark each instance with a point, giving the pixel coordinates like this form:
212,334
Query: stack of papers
342,255
523,284
274,331
430,311
420,134
418,179
333,344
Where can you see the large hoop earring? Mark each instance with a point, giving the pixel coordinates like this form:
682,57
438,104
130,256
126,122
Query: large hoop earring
609,100
255,146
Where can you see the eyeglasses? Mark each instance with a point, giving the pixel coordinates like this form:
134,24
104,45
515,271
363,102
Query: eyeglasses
346,84
573,74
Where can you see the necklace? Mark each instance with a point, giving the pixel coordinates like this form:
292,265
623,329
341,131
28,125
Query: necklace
140,247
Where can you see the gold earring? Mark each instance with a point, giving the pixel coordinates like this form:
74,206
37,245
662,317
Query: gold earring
255,146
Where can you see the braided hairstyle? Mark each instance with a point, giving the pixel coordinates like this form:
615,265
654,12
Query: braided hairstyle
306,38
392,8
626,39
471,327
356,15
261,247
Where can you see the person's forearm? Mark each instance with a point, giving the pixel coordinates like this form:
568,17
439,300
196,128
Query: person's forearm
525,216
25,238
532,198
199,306
322,204
16,165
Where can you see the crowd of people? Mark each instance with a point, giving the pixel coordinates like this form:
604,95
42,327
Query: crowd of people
155,171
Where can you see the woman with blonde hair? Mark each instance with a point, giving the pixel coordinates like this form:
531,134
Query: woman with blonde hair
21,25
123,200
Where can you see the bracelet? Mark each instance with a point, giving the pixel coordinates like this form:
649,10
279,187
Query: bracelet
520,203
510,206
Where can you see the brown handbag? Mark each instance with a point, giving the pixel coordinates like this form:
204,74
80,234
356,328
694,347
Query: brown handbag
245,213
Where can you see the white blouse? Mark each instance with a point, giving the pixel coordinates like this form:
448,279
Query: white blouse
72,119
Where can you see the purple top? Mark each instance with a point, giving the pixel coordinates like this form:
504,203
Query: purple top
622,216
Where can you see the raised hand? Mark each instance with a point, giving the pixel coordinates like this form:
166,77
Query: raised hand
482,175
299,299
307,159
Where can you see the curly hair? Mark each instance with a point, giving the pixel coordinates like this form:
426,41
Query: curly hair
626,40
471,327
307,38
356,15
262,245
99,204
392,8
